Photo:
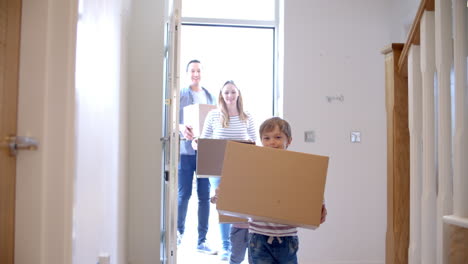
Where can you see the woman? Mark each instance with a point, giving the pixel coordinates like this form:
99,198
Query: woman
231,122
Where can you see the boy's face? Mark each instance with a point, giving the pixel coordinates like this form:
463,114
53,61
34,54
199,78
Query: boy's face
275,139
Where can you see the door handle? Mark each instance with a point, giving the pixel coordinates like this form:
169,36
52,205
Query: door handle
15,143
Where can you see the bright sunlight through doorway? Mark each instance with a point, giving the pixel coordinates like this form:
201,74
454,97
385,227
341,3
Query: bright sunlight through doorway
234,41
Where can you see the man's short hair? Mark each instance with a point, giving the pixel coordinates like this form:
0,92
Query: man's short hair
190,62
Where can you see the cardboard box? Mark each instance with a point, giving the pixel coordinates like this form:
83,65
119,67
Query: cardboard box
226,219
210,156
272,185
195,114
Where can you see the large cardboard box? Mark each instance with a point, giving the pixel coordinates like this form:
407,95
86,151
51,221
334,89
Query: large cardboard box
210,156
195,114
226,219
272,185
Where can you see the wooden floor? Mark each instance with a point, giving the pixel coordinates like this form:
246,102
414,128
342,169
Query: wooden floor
187,250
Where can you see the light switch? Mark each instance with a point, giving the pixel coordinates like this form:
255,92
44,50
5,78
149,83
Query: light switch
104,258
309,136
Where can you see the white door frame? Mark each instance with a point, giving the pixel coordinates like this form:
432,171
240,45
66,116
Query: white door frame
172,101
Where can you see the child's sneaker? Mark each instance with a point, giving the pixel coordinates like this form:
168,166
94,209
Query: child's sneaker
203,248
224,255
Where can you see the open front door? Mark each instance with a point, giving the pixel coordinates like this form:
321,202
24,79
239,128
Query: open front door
171,132
10,17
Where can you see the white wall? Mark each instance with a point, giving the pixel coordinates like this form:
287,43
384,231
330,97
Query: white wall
403,13
85,191
119,115
101,129
332,48
145,97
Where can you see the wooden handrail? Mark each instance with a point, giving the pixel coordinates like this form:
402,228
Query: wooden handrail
391,47
414,35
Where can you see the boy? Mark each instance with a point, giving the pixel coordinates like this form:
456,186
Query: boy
270,242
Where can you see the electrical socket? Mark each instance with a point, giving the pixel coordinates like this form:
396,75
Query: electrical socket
355,137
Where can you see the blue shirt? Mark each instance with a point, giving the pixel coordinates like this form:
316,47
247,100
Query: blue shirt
186,98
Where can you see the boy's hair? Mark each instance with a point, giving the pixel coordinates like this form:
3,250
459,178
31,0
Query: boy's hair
190,62
271,123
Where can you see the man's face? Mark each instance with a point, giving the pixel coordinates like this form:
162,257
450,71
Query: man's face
194,73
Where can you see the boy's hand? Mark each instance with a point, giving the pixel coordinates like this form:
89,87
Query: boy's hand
324,214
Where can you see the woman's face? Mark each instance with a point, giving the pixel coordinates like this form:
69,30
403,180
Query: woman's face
230,94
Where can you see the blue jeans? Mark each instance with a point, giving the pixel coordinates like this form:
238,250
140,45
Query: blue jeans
225,229
280,250
187,167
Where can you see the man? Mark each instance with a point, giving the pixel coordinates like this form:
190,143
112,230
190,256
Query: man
194,94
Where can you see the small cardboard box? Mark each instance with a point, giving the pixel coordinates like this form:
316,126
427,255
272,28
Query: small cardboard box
210,156
195,114
272,185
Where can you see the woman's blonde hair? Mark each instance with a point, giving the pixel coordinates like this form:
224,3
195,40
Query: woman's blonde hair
223,107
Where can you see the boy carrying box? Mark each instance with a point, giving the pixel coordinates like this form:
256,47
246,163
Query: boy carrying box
270,242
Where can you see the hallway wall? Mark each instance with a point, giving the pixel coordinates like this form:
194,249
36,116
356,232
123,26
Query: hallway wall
402,14
101,132
333,85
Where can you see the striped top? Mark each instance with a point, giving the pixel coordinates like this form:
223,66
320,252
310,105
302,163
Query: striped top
272,229
236,130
